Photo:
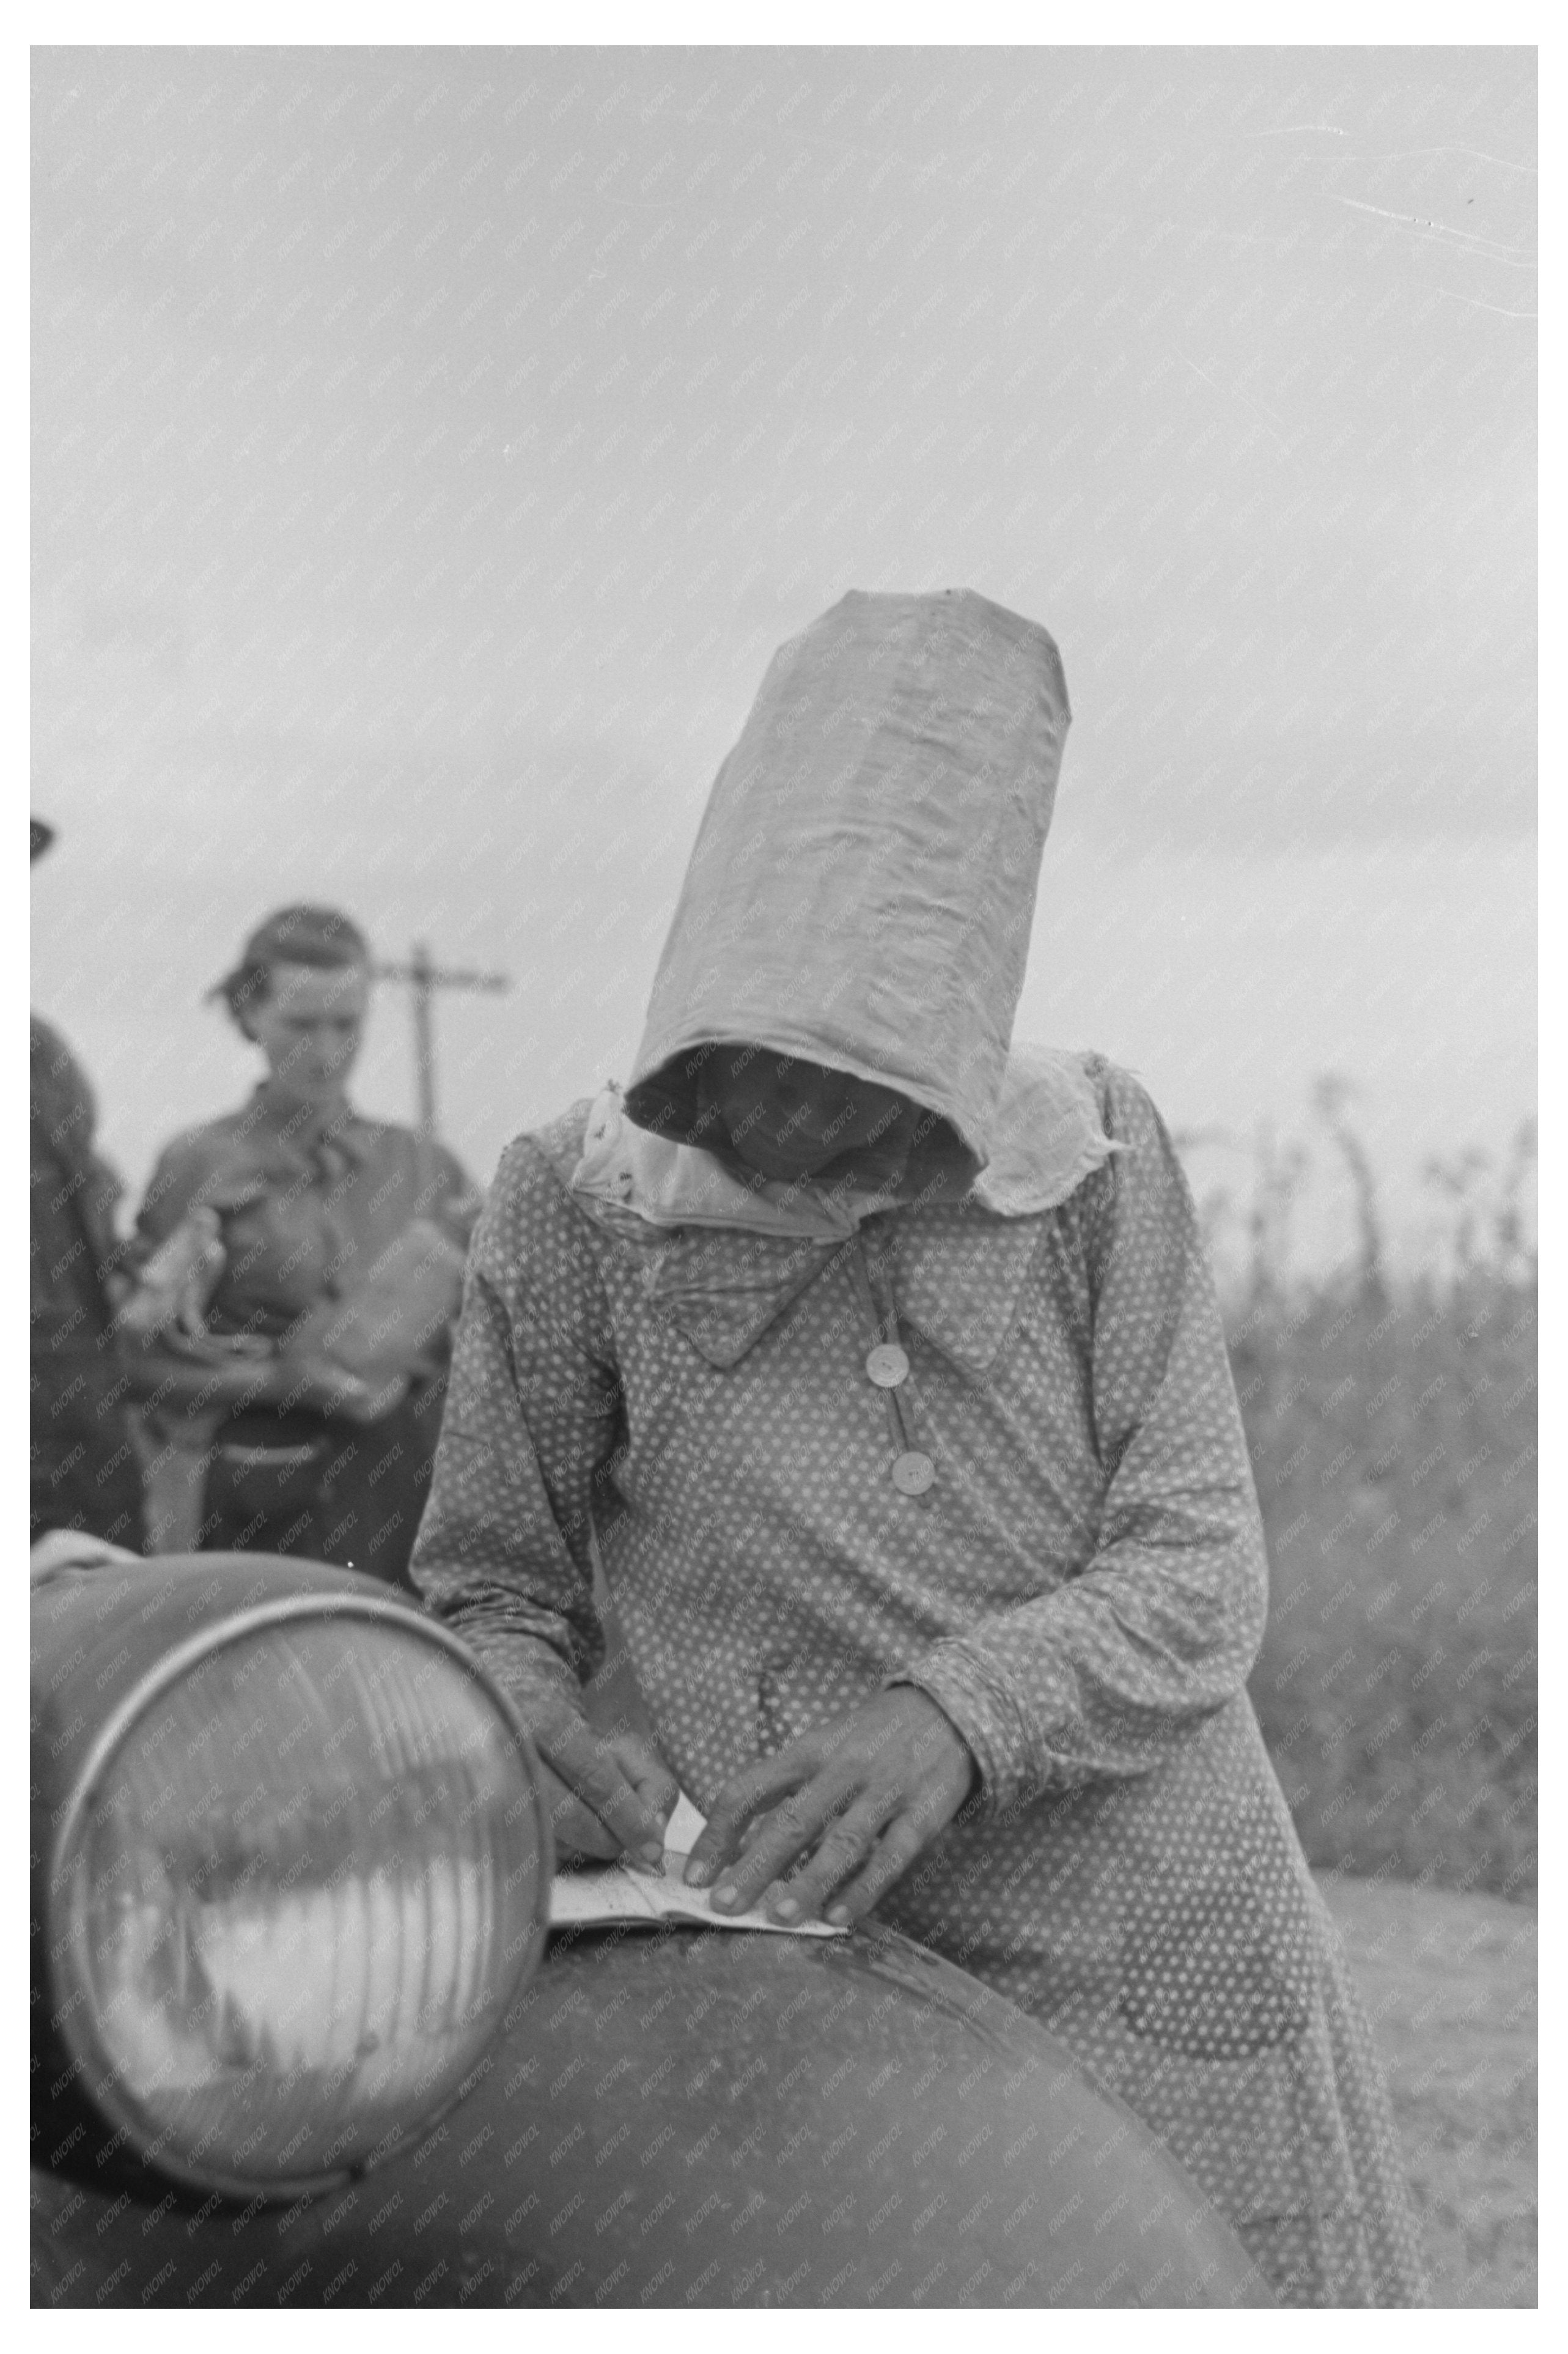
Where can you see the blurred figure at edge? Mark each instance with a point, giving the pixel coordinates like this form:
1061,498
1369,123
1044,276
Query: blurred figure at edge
85,1500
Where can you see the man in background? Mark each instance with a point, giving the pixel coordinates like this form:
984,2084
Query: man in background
85,1474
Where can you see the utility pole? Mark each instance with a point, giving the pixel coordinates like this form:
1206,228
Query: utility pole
424,978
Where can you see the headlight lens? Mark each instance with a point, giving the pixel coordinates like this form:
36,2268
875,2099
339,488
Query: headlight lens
307,1875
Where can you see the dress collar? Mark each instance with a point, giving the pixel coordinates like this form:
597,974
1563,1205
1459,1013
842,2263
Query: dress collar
957,1272
1049,1136
722,1261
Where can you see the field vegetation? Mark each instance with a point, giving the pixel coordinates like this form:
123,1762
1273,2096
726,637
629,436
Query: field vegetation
1392,1419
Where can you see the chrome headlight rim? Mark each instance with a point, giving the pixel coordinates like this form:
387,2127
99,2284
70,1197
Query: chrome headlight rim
73,2014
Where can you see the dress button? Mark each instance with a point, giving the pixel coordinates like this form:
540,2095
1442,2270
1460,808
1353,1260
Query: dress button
888,1365
912,1473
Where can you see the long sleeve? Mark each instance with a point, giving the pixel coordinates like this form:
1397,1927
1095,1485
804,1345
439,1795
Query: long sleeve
533,1418
174,1188
457,1199
183,1380
1095,1677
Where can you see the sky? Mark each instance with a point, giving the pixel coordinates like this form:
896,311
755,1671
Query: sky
430,448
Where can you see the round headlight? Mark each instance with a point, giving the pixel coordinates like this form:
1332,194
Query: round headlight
299,1877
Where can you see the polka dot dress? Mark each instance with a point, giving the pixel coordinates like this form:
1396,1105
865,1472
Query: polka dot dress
1080,1585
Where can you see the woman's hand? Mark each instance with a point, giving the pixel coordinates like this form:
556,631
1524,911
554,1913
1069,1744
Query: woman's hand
171,1289
607,1796
856,1798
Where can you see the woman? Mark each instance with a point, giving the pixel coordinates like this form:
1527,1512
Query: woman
884,1365
301,1270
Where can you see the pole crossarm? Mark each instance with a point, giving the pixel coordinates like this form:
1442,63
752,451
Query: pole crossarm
440,976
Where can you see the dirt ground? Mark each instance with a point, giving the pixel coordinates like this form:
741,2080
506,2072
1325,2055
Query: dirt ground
1449,1982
